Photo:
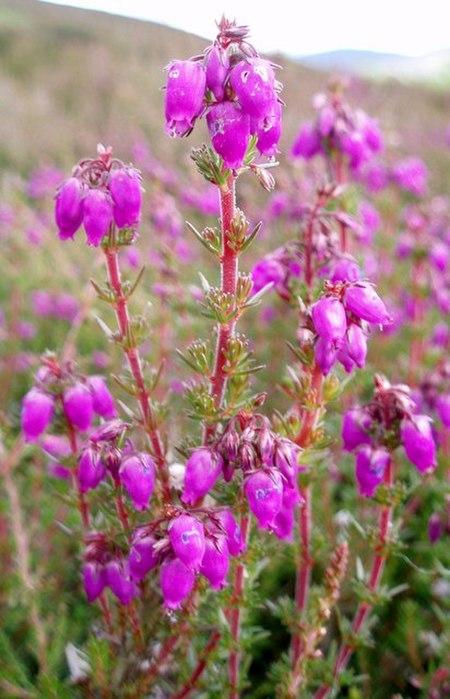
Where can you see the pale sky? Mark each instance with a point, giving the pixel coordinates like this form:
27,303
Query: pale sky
301,27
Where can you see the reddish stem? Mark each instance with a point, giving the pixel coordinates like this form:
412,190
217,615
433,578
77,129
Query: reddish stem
229,271
235,617
83,506
201,665
364,608
134,363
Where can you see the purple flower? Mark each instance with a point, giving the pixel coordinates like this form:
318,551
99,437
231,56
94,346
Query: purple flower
143,556
233,533
55,446
125,189
267,270
177,581
355,426
362,300
229,130
345,269
97,215
268,130
264,492
91,470
120,582
187,537
411,174
78,405
217,67
69,208
215,562
370,468
417,438
137,474
253,82
329,320
357,345
435,527
325,354
94,579
202,471
285,520
443,409
102,400
307,144
37,413
185,91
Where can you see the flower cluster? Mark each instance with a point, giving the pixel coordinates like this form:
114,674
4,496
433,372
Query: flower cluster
341,320
101,192
374,430
237,91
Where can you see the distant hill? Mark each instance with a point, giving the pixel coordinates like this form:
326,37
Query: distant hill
70,78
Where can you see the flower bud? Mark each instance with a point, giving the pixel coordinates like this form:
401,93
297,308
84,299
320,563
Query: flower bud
253,82
97,216
37,413
78,405
229,130
233,533
91,470
417,438
357,345
137,474
102,400
370,468
216,562
355,426
285,460
329,320
187,537
202,471
125,189
69,208
185,91
264,492
247,456
143,556
217,67
345,269
120,582
364,302
94,579
177,581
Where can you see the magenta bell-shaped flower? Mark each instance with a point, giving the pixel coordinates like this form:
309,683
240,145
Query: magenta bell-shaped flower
202,471
285,520
286,460
137,474
97,215
362,300
69,208
78,405
125,189
119,581
187,537
253,82
345,359
268,130
355,426
177,581
345,269
435,527
307,144
370,468
37,413
443,409
267,270
91,470
357,345
94,579
233,533
185,91
216,562
264,491
229,130
417,438
326,355
102,400
217,67
143,556
329,320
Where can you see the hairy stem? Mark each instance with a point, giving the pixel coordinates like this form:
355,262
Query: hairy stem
235,616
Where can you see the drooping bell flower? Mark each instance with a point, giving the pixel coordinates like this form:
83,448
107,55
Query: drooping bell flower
325,354
102,400
229,130
345,269
137,474
443,409
362,300
215,562
357,345
119,581
202,471
78,405
267,270
217,67
125,189
185,91
37,413
329,320
284,522
91,469
370,468
187,537
264,491
307,144
268,130
97,215
345,359
253,82
418,441
94,579
143,556
177,581
69,208
286,460
233,533
355,426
